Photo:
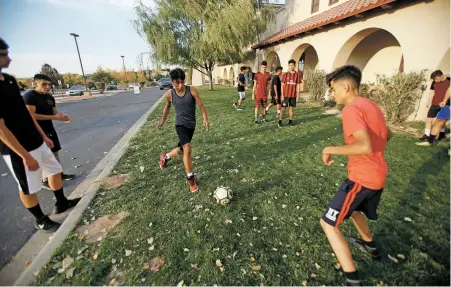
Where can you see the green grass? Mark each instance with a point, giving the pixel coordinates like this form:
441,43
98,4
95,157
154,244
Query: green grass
281,167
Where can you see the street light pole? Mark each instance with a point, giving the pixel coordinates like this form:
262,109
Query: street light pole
125,70
81,64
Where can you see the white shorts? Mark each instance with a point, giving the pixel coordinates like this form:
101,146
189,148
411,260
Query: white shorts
30,182
242,95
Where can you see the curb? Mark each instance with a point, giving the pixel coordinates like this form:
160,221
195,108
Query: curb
90,185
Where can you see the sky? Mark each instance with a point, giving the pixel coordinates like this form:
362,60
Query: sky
38,32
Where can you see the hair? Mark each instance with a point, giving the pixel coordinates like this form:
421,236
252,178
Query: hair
41,77
292,61
177,74
279,68
264,63
243,68
3,44
346,72
436,74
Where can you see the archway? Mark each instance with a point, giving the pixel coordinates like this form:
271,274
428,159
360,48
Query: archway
374,51
231,76
306,58
224,76
273,61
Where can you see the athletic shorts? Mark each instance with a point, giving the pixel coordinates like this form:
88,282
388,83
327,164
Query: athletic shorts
30,182
352,197
433,111
289,102
275,100
51,134
242,95
185,135
444,113
261,102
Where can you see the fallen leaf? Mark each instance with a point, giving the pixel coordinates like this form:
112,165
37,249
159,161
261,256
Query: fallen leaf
298,254
238,235
284,205
254,218
114,181
146,266
194,265
128,252
252,259
284,256
72,158
156,263
61,270
218,263
275,249
221,269
342,164
420,238
408,219
100,227
304,283
152,247
70,273
338,266
215,249
141,168
67,262
198,206
401,256
113,260
256,268
94,257
79,257
150,224
197,157
4,174
77,166
313,275
185,249
150,241
317,266
393,258
228,221
27,262
180,284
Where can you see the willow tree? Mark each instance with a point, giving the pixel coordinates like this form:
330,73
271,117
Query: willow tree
200,33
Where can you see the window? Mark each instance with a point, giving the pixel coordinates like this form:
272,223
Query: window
332,2
315,6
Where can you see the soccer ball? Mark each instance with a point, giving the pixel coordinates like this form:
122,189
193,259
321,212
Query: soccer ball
223,195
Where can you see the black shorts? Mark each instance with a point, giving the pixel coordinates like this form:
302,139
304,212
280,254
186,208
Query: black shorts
51,134
433,111
349,198
185,135
289,102
275,100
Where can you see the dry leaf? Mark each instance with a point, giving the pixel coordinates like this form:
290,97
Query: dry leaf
338,266
61,270
141,168
252,260
254,218
313,275
150,224
284,256
100,227
215,249
408,219
284,205
4,174
67,262
194,265
228,221
218,263
401,256
304,283
128,252
113,261
317,266
275,249
70,273
150,241
221,269
256,268
27,262
146,266
94,257
298,254
393,258
156,263
180,284
152,247
185,249
238,235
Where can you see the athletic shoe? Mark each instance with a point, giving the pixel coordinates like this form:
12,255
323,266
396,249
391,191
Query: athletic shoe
46,224
423,138
360,244
279,125
425,143
351,282
441,136
68,176
256,121
192,183
163,160
263,120
45,184
69,203
239,109
291,124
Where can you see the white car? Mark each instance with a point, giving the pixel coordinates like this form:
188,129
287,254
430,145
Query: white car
76,91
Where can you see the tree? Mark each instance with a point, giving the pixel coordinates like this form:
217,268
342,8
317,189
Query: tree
101,76
200,33
52,73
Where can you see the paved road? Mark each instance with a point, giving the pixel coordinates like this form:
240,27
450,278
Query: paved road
96,126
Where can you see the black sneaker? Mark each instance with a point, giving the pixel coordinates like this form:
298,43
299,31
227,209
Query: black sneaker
441,136
45,184
68,176
69,203
279,124
424,138
291,124
46,224
360,244
352,282
256,121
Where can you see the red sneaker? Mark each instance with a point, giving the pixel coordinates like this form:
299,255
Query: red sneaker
163,160
193,187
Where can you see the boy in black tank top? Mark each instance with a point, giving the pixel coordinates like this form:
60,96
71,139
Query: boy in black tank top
184,99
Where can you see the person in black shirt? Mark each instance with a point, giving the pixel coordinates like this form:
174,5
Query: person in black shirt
241,88
41,105
276,90
26,150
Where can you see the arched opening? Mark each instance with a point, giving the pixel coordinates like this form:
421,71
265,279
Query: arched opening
273,61
224,76
374,51
232,76
306,58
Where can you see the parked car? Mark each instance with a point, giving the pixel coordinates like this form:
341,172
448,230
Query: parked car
111,87
165,83
76,91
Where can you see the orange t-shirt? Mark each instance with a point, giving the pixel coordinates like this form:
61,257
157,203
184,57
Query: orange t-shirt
368,170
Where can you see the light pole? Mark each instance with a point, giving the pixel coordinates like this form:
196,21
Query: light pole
125,70
81,64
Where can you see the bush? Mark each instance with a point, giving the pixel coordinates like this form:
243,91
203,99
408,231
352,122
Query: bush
226,82
316,84
220,81
369,91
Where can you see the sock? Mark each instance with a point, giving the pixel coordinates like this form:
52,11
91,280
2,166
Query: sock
371,244
280,122
290,121
431,138
278,111
352,275
427,132
59,195
168,157
256,118
36,211
189,174
443,130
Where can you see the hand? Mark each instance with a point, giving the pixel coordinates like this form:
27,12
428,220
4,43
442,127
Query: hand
326,157
66,118
206,124
442,104
49,142
160,124
30,163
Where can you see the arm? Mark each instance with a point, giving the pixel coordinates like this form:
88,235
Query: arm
48,141
361,146
7,137
298,91
442,104
282,86
65,117
199,102
253,89
32,110
275,91
268,88
166,109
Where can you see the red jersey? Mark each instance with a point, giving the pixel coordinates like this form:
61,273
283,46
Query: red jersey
262,84
290,81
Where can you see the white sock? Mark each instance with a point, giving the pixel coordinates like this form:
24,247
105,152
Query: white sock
168,156
427,132
443,130
189,174
278,111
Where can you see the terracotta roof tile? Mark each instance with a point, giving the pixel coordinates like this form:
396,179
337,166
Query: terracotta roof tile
337,13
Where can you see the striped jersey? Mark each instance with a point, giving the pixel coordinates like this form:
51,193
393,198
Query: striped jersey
290,81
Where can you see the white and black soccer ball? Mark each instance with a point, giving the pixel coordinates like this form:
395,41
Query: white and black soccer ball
223,195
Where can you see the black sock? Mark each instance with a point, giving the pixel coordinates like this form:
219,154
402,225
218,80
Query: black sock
431,138
352,275
370,244
290,121
59,195
36,211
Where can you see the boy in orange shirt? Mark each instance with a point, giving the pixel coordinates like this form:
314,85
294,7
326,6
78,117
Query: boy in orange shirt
366,136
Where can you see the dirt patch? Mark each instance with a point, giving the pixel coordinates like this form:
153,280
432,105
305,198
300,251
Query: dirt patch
98,229
114,181
155,264
116,277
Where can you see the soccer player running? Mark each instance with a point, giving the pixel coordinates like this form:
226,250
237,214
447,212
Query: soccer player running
241,88
41,105
184,99
365,136
260,92
25,149
438,88
290,91
276,90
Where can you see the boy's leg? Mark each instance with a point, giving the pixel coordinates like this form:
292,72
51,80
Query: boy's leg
187,162
257,105
361,224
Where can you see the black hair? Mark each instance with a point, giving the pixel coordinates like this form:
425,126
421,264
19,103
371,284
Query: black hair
41,77
345,72
292,61
436,74
3,44
243,68
264,63
177,74
279,68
